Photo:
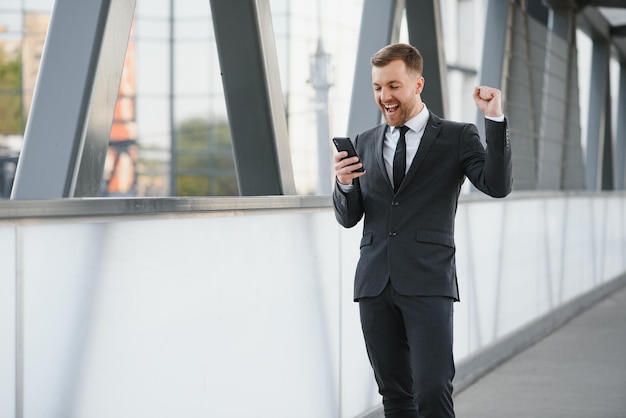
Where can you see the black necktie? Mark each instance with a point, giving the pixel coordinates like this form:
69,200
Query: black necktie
399,159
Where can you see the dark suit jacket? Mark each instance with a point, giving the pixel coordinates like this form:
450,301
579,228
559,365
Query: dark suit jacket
408,237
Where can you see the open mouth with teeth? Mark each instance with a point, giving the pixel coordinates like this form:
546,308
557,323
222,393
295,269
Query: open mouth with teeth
391,108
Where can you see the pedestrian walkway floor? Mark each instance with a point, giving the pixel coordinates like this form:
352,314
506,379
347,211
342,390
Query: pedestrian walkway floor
578,371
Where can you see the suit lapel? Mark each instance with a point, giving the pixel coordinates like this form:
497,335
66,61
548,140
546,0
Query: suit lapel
380,143
428,138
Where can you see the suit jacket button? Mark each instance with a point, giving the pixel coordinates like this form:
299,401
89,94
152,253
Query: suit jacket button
394,203
393,234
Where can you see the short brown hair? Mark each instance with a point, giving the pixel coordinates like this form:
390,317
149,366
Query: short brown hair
399,51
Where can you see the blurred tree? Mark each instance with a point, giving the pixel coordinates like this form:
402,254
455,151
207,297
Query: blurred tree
11,122
205,165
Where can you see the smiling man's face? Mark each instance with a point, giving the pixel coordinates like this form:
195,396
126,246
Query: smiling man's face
397,92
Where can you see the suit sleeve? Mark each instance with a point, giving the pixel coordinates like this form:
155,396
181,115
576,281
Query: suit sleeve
348,205
490,168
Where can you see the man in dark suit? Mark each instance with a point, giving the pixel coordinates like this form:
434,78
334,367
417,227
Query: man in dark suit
405,280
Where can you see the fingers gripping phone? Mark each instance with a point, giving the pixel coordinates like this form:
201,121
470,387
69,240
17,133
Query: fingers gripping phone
345,144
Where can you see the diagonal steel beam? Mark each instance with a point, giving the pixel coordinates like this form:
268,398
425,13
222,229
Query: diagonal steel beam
256,112
425,33
618,30
597,116
380,25
620,137
68,128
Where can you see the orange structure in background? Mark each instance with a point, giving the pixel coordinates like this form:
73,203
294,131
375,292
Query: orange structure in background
120,169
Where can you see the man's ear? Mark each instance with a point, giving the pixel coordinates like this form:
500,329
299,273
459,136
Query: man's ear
419,85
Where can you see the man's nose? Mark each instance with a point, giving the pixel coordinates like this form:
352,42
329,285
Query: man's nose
384,94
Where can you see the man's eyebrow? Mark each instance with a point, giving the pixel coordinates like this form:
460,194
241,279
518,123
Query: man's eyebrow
388,82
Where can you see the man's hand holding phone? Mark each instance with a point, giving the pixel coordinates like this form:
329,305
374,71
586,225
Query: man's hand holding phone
347,163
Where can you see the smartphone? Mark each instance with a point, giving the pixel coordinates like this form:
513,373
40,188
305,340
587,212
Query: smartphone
344,144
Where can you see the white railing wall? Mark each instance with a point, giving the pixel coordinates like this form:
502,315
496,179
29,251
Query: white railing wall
243,307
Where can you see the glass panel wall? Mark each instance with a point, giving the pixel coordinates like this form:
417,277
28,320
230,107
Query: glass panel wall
170,135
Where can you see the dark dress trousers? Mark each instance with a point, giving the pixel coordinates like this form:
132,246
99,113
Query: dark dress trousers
408,249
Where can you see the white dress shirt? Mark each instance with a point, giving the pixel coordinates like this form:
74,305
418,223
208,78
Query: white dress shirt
413,137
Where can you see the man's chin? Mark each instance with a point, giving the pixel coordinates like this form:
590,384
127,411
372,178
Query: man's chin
392,121
388,120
